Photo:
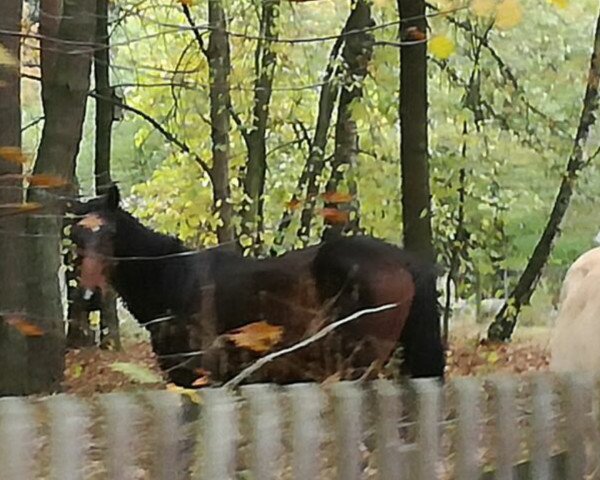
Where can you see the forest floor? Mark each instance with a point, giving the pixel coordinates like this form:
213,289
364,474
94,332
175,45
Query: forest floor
90,371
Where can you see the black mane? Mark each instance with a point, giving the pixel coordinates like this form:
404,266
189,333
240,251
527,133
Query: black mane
155,274
136,239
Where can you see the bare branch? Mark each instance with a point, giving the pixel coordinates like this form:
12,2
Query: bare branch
190,19
162,130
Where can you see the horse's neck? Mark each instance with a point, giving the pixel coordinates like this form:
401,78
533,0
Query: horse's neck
155,275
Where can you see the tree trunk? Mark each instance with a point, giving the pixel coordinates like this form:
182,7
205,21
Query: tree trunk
13,347
104,107
109,333
219,60
256,167
79,333
356,55
504,324
416,212
65,87
316,159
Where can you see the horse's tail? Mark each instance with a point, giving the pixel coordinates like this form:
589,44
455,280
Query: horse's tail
421,340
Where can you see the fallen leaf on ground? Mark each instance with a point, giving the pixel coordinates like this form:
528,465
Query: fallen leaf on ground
136,373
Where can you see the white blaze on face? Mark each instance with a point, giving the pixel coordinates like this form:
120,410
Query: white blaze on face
92,222
92,269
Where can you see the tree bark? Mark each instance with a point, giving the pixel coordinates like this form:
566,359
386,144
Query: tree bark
504,324
65,86
256,167
109,333
356,55
416,212
219,61
316,158
79,333
13,347
104,108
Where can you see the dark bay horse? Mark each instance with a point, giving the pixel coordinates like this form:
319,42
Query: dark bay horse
188,299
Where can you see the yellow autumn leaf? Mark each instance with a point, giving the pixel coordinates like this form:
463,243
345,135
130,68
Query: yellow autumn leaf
483,8
562,4
6,59
259,337
508,14
441,47
188,392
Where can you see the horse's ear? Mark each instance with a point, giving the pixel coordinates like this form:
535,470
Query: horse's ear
113,197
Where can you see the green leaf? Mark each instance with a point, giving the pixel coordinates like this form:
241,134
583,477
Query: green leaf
136,373
77,370
493,357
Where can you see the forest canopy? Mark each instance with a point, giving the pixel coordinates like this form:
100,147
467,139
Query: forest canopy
506,80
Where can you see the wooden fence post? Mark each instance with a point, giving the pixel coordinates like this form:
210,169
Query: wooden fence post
428,427
469,417
389,445
347,402
122,415
166,407
219,435
541,428
306,401
265,419
69,437
577,398
507,440
17,439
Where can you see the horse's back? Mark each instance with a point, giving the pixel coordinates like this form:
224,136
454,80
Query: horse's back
574,345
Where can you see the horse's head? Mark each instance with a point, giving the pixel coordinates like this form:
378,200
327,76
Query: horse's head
93,234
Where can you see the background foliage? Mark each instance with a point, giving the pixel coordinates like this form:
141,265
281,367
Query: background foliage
503,109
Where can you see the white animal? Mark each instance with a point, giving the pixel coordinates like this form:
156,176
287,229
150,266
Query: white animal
575,342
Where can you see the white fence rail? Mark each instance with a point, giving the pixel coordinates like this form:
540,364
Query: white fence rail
541,427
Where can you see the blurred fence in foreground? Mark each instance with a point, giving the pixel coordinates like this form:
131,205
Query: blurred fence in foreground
539,427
